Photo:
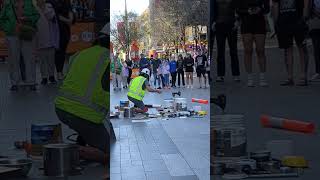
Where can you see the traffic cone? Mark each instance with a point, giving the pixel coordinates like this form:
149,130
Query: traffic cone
201,101
287,124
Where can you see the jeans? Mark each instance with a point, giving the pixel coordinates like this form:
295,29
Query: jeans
181,74
65,35
15,48
173,78
166,79
46,57
315,36
224,33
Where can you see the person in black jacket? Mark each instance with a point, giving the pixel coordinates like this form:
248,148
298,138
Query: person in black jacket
253,29
180,70
189,65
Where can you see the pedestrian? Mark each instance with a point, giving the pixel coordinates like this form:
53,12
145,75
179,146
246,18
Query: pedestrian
116,69
130,67
180,70
124,74
18,20
166,72
173,71
155,63
314,27
84,112
201,63
47,40
66,19
290,25
208,70
226,28
189,66
253,31
143,63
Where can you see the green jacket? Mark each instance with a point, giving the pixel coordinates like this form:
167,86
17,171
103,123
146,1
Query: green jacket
8,19
119,69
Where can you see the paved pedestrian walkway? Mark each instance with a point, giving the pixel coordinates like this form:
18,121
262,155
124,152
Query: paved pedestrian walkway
299,103
18,110
174,149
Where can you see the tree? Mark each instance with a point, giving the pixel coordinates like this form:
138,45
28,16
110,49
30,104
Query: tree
123,34
173,16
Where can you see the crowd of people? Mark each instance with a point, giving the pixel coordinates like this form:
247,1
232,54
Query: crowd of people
166,71
287,20
40,30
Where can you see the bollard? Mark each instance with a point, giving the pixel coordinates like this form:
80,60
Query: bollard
287,124
201,101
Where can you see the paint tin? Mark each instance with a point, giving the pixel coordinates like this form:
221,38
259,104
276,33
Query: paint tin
124,104
180,104
228,136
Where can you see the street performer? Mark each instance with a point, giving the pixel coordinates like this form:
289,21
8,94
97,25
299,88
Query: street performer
137,89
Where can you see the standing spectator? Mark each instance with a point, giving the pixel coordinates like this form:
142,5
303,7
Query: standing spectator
66,19
180,70
155,63
124,74
143,63
116,69
290,24
189,64
201,63
47,40
166,72
173,71
253,30
18,20
130,67
314,26
226,27
208,70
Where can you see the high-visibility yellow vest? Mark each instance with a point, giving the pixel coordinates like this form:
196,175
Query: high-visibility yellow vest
135,88
81,93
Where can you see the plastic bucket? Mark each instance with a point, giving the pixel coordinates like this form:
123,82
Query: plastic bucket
168,103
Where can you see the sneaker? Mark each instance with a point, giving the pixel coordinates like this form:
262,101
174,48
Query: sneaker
315,77
191,86
52,80
263,81
288,82
220,79
250,80
159,88
14,88
44,81
302,82
60,76
236,79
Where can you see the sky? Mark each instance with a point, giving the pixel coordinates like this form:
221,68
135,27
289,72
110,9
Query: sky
138,6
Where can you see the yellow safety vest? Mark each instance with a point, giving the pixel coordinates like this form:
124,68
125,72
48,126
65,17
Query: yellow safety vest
81,93
135,88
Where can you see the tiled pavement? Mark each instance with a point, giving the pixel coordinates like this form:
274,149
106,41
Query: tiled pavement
18,111
174,149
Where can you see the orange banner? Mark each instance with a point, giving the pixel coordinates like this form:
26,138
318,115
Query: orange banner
82,37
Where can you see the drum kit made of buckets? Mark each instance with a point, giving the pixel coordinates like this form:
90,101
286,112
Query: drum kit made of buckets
229,156
173,107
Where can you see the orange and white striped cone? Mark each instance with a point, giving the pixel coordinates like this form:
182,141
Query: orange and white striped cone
201,101
287,124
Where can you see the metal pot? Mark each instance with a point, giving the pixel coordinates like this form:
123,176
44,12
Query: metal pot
23,164
61,160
